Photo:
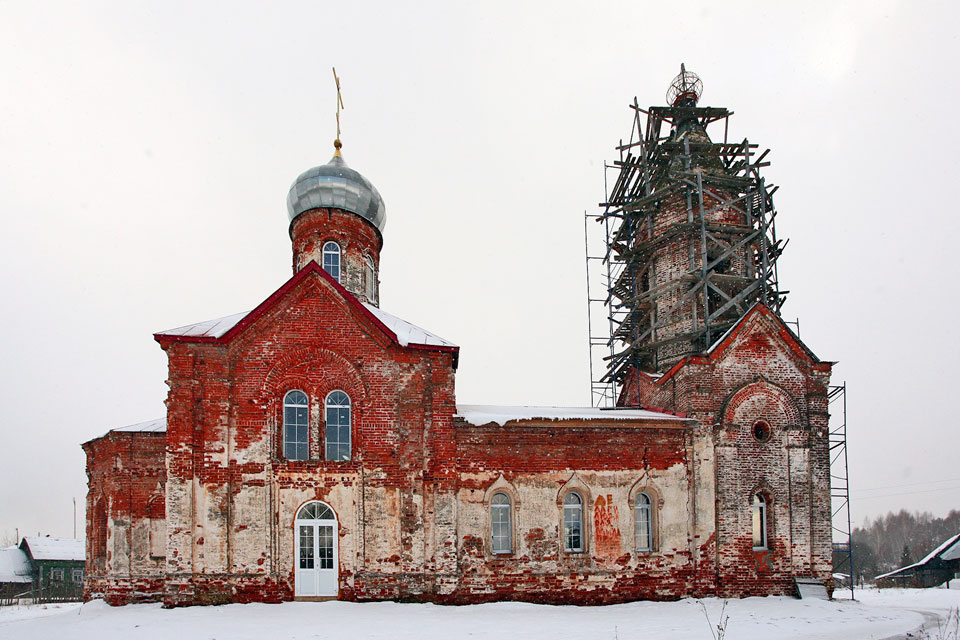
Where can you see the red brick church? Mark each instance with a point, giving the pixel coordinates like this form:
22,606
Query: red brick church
313,447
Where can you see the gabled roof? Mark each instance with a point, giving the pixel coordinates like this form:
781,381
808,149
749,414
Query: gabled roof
14,566
222,330
948,550
46,548
485,414
724,342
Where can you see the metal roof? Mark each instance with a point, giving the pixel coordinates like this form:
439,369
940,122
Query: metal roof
46,548
335,185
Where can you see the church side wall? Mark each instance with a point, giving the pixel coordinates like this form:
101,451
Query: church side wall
607,466
125,507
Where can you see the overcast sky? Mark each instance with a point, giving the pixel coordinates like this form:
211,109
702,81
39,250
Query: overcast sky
146,152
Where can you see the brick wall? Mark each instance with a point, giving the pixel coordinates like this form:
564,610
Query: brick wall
126,478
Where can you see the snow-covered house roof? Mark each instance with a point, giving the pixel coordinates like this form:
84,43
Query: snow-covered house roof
486,414
15,566
948,550
46,548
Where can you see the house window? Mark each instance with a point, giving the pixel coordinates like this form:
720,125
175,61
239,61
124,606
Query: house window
295,426
500,529
370,278
759,522
643,522
573,522
76,576
56,575
331,259
338,426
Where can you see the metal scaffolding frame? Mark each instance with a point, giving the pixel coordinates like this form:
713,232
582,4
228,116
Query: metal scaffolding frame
840,520
671,190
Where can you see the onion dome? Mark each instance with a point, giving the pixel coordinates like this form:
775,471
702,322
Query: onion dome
335,185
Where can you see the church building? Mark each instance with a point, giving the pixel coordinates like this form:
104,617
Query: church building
313,447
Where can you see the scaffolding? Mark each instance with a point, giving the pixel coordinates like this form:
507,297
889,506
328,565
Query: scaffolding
689,241
840,484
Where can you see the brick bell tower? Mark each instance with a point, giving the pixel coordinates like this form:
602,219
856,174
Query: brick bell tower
691,238
336,220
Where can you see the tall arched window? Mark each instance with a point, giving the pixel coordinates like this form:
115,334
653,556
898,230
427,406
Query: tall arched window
370,278
500,529
296,430
643,522
338,426
759,522
331,259
573,522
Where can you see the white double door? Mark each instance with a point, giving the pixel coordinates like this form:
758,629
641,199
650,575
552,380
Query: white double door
316,572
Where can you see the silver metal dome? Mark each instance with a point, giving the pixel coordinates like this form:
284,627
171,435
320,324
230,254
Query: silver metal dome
336,185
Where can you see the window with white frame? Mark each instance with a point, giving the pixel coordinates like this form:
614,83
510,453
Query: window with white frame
56,575
573,522
643,522
370,278
331,259
501,533
76,575
337,438
296,432
759,522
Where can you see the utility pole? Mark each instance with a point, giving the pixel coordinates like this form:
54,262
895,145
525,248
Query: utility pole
74,517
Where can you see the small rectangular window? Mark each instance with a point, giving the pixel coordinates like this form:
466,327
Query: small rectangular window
77,575
56,575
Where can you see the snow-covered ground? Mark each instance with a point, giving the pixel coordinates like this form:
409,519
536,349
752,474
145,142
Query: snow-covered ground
874,615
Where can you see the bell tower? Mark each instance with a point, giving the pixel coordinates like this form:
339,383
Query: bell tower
691,241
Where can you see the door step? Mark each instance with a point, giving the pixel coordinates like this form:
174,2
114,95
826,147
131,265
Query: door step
811,588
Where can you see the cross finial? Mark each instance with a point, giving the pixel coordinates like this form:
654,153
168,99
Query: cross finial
336,143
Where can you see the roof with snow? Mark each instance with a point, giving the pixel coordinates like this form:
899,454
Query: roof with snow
486,414
47,548
208,328
406,334
14,565
949,550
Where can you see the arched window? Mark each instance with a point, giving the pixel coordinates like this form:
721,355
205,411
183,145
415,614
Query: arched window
370,278
338,426
643,522
331,259
759,522
295,426
573,522
501,533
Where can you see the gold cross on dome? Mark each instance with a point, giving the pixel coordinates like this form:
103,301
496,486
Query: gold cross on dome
336,143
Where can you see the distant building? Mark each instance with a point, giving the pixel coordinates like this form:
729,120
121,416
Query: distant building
939,566
57,566
16,574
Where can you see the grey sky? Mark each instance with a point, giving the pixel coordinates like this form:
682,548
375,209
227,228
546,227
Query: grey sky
146,152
